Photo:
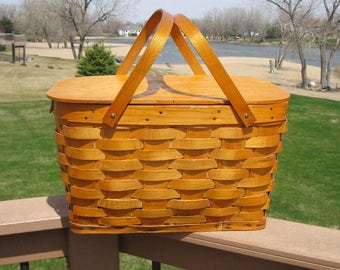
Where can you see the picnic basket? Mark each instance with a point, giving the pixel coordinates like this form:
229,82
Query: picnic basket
171,153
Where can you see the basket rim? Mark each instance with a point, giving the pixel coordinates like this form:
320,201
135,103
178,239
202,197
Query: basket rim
167,90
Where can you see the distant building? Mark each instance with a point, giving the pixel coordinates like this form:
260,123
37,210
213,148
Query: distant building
130,31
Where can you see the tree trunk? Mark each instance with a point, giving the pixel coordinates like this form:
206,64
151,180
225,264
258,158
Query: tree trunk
281,54
329,67
330,60
47,37
304,83
73,48
323,66
81,47
299,45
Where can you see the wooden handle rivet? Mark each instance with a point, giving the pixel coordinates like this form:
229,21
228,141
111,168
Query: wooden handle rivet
246,115
113,116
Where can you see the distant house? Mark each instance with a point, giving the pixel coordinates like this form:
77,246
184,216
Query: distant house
251,34
130,31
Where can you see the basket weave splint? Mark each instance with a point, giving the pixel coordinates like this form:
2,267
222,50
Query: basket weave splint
168,153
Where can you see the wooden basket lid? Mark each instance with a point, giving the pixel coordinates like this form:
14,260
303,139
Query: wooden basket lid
168,89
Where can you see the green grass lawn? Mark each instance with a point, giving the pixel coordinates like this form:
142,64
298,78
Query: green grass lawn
27,162
307,181
307,185
30,82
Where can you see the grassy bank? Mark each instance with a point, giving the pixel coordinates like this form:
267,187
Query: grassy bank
307,183
30,82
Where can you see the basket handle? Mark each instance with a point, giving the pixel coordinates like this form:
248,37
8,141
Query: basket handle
216,69
167,25
144,36
165,22
188,55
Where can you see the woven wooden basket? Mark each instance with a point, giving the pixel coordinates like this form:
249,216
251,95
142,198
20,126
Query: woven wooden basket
168,153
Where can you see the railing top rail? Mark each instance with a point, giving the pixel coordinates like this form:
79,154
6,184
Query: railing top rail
33,214
282,241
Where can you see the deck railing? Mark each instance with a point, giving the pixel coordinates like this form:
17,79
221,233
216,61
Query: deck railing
37,229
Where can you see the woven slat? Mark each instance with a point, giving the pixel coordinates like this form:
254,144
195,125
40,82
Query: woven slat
118,185
119,204
191,184
163,189
118,221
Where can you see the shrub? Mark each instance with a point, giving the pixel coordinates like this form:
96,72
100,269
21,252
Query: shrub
2,47
6,25
96,61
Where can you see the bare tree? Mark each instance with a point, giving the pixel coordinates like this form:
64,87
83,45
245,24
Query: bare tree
9,11
81,16
212,23
203,25
283,24
298,12
255,23
326,29
237,17
221,23
37,22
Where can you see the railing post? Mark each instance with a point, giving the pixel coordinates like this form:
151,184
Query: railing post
24,266
87,252
24,54
13,53
156,265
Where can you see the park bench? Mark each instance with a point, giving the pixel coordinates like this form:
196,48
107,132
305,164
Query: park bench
37,228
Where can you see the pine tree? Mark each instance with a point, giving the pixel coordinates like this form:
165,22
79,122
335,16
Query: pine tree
96,61
6,25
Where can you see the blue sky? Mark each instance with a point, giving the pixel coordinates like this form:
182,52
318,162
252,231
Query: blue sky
191,8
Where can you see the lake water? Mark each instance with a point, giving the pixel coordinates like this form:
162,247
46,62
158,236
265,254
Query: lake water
171,55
